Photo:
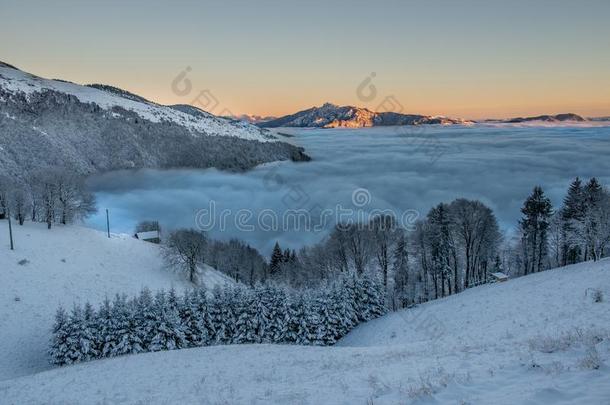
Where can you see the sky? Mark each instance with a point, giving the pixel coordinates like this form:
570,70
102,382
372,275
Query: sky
471,59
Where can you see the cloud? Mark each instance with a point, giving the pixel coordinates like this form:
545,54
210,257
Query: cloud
498,165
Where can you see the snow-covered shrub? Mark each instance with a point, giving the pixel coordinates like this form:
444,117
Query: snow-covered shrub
591,360
231,315
550,344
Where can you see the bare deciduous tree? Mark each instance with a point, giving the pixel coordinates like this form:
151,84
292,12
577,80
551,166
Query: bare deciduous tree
185,250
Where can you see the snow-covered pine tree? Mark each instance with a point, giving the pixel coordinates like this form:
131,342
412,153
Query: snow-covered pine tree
74,326
277,325
59,338
572,214
595,230
277,258
316,331
88,336
229,310
262,316
330,322
126,330
347,285
215,323
105,330
245,313
537,211
167,328
201,310
342,309
378,303
192,315
297,332
371,297
145,318
361,297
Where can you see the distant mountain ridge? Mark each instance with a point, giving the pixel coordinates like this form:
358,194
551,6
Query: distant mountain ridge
544,118
252,119
333,116
98,128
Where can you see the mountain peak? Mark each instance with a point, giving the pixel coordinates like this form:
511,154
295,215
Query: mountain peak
330,115
329,105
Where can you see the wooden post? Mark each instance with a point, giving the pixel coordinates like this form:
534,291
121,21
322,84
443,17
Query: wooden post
10,228
107,222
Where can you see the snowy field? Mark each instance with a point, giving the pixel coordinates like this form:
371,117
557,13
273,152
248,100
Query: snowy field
537,339
63,266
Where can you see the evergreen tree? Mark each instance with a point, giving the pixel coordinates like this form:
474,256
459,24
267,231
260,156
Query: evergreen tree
296,325
262,313
316,331
59,338
216,322
202,316
595,228
167,330
145,319
89,339
572,214
126,337
286,256
277,326
277,258
328,323
194,314
245,322
75,324
537,211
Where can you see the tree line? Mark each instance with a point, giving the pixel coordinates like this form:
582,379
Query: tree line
233,314
457,245
52,195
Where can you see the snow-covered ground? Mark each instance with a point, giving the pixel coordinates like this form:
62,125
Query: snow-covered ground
62,266
537,339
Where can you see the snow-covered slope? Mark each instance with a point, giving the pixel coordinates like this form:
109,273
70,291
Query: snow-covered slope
533,340
107,97
98,128
62,266
550,302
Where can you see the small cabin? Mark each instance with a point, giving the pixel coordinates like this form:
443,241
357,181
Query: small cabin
498,277
149,236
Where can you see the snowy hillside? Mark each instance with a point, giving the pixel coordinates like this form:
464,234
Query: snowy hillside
99,128
538,339
62,266
15,81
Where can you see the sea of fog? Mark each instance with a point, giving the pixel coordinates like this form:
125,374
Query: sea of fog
353,172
